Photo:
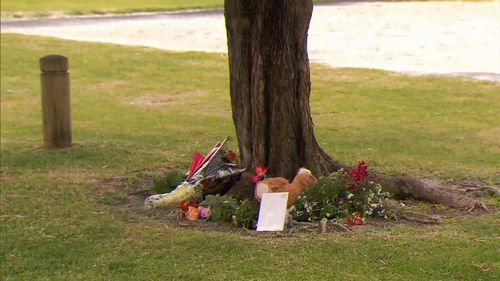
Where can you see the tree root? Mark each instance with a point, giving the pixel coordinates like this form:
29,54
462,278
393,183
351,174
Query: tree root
404,187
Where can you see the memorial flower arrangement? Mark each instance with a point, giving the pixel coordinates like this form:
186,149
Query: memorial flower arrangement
342,195
345,196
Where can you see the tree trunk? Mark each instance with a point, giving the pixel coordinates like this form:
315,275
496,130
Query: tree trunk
270,88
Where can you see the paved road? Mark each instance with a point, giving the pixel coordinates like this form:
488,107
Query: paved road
450,38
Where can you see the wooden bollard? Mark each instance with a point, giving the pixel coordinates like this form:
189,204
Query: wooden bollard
56,106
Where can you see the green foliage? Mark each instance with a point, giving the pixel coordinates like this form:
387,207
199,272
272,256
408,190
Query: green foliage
228,209
320,201
168,182
246,214
223,207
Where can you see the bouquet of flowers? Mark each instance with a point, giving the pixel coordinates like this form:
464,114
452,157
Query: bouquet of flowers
210,174
342,195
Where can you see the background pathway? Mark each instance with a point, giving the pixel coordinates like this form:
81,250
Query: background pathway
452,38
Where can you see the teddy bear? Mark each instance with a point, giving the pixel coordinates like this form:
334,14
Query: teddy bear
302,181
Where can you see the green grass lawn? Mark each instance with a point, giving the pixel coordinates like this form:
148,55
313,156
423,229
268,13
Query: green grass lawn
143,109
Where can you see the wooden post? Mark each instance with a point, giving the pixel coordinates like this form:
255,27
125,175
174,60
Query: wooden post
56,106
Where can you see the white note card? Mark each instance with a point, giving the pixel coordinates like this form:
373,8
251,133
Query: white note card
272,211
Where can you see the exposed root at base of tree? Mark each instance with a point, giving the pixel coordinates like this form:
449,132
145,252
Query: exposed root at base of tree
404,187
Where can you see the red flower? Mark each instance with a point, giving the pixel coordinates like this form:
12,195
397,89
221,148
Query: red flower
261,171
360,172
186,204
358,220
357,215
231,156
357,174
260,174
353,186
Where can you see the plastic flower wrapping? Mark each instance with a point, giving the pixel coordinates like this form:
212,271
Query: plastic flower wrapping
209,174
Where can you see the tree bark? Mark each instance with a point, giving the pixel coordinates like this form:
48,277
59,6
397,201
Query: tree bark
270,88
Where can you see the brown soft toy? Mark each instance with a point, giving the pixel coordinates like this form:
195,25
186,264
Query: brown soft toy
302,181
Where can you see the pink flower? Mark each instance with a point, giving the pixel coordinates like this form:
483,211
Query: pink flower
205,212
261,171
255,179
260,174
